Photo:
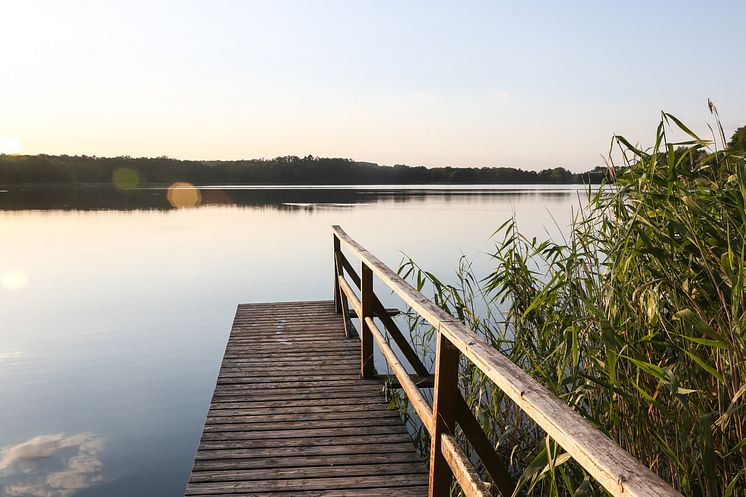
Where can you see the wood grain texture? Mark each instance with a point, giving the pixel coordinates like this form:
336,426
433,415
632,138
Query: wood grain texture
290,414
445,395
366,310
468,478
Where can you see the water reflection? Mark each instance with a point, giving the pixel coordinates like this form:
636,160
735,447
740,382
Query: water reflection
10,357
116,307
181,195
51,465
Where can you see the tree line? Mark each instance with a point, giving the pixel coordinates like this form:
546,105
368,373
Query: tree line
289,170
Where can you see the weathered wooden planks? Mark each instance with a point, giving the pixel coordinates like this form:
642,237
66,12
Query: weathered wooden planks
290,414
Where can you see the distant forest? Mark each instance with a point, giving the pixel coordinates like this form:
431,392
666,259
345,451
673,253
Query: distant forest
133,172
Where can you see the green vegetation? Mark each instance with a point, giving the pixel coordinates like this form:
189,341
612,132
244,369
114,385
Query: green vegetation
738,140
637,320
128,172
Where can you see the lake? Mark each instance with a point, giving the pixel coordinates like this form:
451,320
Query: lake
116,306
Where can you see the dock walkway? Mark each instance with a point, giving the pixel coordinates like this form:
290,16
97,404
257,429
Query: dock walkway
297,409
291,415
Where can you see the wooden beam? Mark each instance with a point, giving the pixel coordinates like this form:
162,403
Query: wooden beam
493,464
385,316
340,300
366,339
390,311
466,476
419,381
337,266
444,415
401,341
352,299
351,271
414,395
496,468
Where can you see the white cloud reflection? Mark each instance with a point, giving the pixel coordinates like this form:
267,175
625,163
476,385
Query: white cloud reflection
10,356
50,465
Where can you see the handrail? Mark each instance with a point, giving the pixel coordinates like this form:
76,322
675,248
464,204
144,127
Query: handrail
494,465
615,469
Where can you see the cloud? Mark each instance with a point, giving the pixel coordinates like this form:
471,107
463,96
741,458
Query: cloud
51,465
26,491
501,94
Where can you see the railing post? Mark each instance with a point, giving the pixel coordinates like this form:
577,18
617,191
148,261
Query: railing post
366,337
445,395
337,300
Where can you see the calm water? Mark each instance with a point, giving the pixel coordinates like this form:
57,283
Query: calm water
115,308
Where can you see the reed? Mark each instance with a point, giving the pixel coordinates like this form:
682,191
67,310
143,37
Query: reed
637,320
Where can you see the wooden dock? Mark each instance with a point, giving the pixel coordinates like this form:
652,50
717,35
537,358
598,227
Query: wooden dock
291,415
298,409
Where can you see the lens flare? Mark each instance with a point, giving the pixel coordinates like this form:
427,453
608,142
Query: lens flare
10,146
13,280
125,178
182,194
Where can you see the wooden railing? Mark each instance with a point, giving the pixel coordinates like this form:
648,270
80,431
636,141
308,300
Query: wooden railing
615,469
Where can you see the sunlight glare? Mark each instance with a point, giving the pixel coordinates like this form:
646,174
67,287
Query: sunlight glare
13,280
10,146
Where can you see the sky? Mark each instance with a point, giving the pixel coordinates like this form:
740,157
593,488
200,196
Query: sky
463,83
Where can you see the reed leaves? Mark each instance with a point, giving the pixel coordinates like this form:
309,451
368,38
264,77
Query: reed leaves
637,320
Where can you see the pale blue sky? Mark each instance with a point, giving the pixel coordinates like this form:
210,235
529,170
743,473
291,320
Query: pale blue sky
499,83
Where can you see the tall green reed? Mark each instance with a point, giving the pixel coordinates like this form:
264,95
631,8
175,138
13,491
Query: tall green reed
636,319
